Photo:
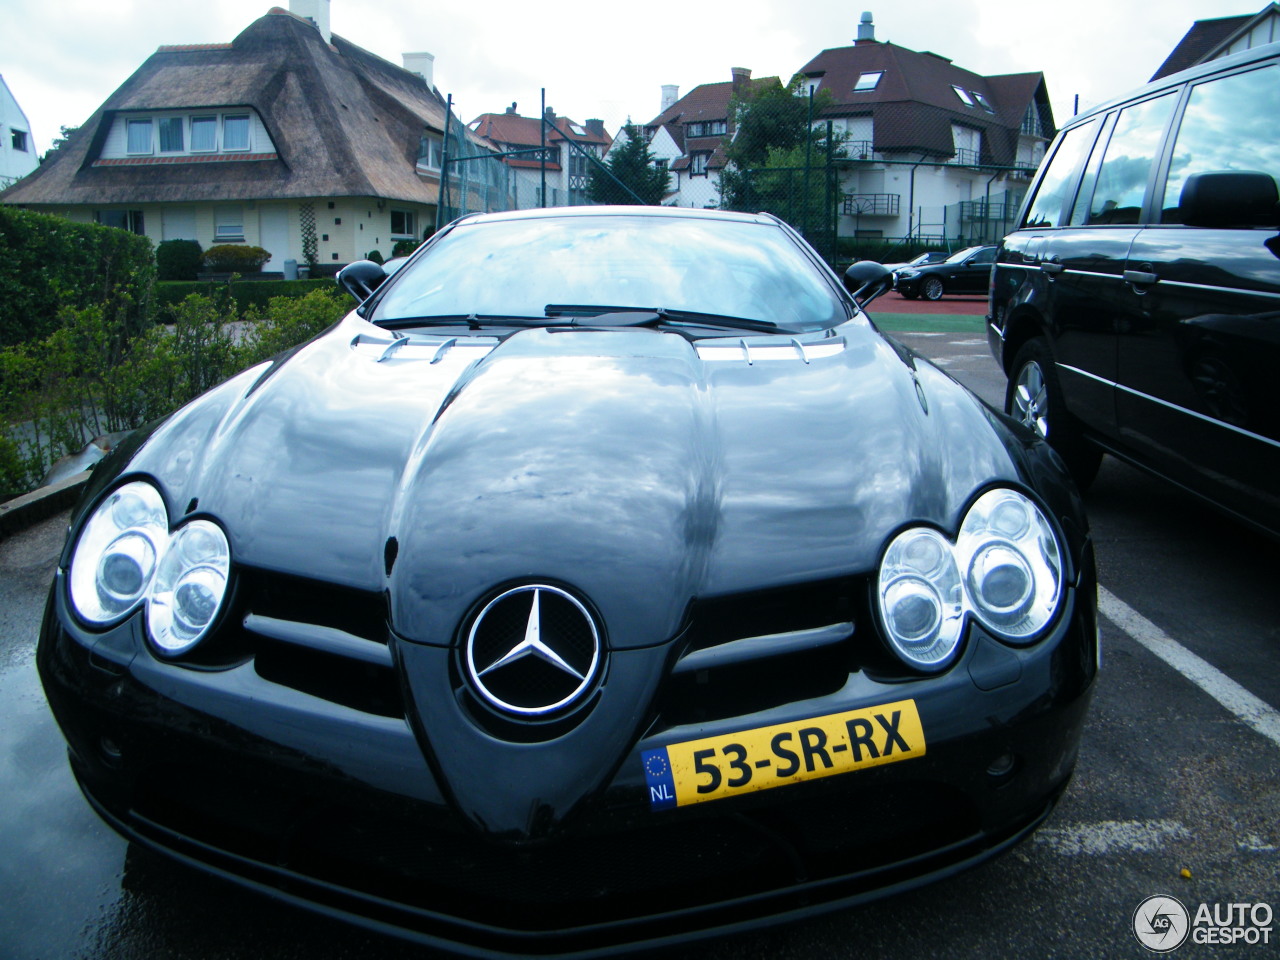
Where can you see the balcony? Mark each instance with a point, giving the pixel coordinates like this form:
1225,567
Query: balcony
870,204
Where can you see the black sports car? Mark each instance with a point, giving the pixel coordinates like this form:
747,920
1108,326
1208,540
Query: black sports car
965,271
604,578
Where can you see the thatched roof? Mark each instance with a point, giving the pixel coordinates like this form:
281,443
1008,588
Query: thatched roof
914,105
344,122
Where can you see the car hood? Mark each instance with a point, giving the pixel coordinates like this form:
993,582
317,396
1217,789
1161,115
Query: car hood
628,465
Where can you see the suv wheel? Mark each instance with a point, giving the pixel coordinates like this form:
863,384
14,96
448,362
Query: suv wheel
1034,398
931,289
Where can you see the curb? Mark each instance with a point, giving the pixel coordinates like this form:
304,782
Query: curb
29,509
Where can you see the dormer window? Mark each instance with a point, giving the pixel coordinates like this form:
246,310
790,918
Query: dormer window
235,134
139,136
204,134
171,134
963,95
867,81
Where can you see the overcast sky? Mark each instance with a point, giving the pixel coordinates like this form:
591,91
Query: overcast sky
598,58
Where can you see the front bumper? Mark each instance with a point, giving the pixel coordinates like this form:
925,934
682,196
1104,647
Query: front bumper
343,810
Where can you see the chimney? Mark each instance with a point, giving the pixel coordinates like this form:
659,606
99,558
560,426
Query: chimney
670,94
511,110
423,64
741,76
550,116
866,29
317,11
596,128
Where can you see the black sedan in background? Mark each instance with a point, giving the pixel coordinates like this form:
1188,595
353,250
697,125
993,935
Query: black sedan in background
965,271
606,577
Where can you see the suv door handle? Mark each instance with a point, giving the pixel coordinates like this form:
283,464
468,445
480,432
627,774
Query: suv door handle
1140,277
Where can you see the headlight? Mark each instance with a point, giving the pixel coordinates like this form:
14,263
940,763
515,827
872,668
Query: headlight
115,559
189,587
1005,568
1012,565
126,555
908,274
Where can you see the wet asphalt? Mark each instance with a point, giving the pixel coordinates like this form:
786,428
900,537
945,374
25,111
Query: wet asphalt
1168,781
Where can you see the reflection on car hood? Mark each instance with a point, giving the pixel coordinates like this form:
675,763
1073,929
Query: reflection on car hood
627,464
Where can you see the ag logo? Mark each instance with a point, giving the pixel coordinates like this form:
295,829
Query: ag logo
1161,923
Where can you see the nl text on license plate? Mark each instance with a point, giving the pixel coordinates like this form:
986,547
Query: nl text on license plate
766,757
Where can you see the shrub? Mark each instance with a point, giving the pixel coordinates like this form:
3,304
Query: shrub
235,258
287,322
178,259
375,256
251,294
50,264
403,248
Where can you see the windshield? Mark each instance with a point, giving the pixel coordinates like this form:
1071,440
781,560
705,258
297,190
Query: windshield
518,267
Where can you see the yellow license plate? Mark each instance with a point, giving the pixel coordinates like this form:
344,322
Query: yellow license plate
768,757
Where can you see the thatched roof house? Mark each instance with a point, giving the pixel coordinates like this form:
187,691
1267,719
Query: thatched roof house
286,137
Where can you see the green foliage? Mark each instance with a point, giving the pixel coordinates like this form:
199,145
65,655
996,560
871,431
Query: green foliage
632,175
49,265
88,378
178,259
403,248
246,294
235,258
375,256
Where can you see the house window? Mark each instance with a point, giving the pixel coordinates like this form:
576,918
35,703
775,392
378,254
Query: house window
717,128
235,134
139,136
698,164
963,95
968,145
983,102
696,130
130,220
867,81
171,134
204,134
228,223
19,140
402,223
430,152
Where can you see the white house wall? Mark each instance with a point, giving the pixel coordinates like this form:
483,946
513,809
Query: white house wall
14,164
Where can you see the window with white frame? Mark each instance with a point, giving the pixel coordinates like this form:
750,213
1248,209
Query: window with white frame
402,223
235,133
139,136
130,220
228,222
430,151
204,134
698,163
171,130
968,145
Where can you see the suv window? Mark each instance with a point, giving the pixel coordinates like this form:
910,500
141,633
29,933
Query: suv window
1229,124
1059,177
1126,165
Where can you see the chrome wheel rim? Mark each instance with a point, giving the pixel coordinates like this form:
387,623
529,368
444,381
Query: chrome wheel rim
932,289
1030,400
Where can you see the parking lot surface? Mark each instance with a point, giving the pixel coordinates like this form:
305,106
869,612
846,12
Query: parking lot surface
1176,792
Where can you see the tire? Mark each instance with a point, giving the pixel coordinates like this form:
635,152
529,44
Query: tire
931,288
1034,398
908,296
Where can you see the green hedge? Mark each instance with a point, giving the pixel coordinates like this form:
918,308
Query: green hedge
51,264
251,293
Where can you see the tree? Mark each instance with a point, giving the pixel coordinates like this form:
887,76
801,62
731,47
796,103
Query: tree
60,141
633,176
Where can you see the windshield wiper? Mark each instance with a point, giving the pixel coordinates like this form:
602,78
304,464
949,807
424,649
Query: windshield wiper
472,320
655,316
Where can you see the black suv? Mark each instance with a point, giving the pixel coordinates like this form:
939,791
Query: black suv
1136,310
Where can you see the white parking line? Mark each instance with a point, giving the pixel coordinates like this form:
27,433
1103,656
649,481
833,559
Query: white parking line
1249,709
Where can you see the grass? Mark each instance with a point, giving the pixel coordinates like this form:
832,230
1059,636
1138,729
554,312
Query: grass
926,323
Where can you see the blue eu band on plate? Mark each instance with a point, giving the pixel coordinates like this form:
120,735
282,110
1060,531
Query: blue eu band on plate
715,767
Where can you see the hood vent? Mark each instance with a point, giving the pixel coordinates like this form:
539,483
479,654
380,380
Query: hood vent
403,346
752,350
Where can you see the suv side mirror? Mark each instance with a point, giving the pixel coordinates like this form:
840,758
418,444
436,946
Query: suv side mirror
1230,199
361,278
866,280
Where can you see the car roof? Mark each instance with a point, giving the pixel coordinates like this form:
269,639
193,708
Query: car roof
1263,52
693,213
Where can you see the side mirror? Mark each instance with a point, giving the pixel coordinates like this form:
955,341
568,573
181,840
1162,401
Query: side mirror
866,280
1230,199
361,278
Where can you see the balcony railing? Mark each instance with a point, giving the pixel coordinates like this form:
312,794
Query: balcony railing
967,158
870,204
